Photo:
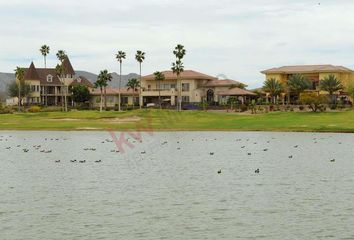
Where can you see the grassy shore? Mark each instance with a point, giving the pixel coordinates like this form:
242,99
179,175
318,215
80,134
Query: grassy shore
160,120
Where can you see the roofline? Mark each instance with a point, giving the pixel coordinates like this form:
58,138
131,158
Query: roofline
275,71
151,76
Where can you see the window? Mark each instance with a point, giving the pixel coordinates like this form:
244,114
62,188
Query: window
49,78
136,100
124,100
185,87
173,86
37,88
185,99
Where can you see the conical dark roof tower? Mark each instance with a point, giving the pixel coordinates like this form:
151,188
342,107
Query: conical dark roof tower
31,73
67,66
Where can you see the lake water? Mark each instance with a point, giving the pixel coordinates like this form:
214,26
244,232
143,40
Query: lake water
168,186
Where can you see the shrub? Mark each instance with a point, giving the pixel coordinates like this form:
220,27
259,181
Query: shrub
314,101
34,109
51,109
333,106
301,108
6,110
243,108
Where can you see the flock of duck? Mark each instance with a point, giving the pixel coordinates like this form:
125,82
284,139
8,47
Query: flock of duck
40,149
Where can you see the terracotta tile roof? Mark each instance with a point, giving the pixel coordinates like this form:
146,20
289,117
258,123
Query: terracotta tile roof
307,69
187,74
236,92
31,73
82,81
223,83
67,66
114,91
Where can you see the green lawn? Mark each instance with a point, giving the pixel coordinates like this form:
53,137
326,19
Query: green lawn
185,120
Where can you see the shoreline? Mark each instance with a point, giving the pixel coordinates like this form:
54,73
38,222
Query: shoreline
174,130
185,121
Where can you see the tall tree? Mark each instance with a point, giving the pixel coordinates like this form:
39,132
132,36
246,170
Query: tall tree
298,83
120,56
140,57
331,85
44,51
159,76
273,87
20,76
101,83
80,93
61,55
133,84
178,68
61,72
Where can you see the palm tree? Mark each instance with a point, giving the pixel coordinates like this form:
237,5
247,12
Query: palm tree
133,84
108,78
101,83
60,71
44,51
298,83
20,75
331,84
120,56
178,68
273,87
140,57
159,76
61,55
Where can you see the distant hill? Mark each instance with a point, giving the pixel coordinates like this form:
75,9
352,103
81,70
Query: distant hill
6,78
115,78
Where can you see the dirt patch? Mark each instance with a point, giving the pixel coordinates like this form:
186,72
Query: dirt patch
122,120
110,120
65,119
88,128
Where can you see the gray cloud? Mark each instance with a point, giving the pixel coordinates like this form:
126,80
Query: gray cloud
234,37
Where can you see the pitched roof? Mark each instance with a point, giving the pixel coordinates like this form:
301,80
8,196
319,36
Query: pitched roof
113,91
31,73
307,69
68,67
42,75
82,81
236,92
223,83
187,74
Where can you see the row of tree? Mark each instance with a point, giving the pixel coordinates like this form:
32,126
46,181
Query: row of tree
22,90
104,77
298,83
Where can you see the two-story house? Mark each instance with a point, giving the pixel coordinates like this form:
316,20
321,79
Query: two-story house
47,87
196,87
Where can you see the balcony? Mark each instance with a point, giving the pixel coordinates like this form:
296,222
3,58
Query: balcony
155,92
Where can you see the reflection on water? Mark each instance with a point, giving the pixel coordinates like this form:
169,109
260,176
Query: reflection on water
168,186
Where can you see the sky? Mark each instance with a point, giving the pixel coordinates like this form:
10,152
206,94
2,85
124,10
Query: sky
235,38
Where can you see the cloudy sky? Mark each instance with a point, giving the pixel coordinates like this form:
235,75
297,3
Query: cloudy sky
236,38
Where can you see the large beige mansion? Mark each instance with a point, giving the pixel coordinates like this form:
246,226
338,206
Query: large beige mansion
196,87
